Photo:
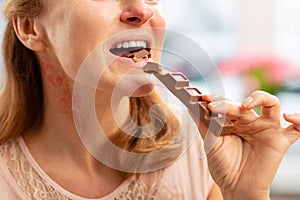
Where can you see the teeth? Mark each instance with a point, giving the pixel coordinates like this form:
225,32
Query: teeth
141,44
132,44
125,45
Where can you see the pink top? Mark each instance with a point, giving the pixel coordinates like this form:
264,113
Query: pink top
22,178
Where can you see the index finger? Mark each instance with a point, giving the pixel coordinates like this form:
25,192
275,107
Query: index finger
270,105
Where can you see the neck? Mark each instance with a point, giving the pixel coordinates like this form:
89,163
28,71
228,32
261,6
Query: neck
58,128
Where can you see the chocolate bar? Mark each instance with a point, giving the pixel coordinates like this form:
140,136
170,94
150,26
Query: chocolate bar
191,97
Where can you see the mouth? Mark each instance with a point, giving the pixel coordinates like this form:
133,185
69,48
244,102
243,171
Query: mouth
128,49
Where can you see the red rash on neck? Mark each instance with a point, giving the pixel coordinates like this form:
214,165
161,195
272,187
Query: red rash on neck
58,85
59,88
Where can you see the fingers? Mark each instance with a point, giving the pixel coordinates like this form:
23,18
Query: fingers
209,98
293,118
270,105
233,111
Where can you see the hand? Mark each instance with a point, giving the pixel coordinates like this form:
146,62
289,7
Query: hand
245,163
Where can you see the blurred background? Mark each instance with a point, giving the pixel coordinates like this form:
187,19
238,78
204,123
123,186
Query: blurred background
255,45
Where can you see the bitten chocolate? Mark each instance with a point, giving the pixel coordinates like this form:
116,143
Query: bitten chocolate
191,97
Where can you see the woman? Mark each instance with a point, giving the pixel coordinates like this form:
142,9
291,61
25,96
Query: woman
42,156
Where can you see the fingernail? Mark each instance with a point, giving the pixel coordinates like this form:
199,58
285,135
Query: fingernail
247,102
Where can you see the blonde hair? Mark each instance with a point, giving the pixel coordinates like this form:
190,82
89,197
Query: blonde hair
21,105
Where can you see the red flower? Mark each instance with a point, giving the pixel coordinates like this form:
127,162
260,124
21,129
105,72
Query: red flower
276,70
264,72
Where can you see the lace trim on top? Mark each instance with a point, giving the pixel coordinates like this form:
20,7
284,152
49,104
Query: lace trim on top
36,185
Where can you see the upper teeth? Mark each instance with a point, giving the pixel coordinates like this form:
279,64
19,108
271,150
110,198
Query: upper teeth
130,44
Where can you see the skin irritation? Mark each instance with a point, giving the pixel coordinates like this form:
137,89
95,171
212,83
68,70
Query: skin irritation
60,86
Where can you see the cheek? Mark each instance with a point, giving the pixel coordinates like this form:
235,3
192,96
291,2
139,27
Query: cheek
73,41
72,50
159,24
158,20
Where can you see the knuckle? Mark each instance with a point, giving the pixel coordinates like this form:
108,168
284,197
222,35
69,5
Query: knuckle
260,94
276,99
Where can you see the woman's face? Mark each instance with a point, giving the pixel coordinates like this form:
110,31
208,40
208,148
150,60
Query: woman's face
73,28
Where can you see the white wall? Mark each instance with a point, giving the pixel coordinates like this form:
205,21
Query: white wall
257,26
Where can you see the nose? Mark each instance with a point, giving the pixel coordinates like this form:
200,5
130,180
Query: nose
135,12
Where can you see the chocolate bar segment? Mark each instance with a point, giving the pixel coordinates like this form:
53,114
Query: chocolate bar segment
174,80
195,94
137,56
152,68
191,97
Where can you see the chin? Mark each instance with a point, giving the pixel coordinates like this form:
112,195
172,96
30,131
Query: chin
144,90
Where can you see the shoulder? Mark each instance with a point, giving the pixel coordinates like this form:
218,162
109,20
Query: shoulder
6,190
9,152
8,187
9,147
